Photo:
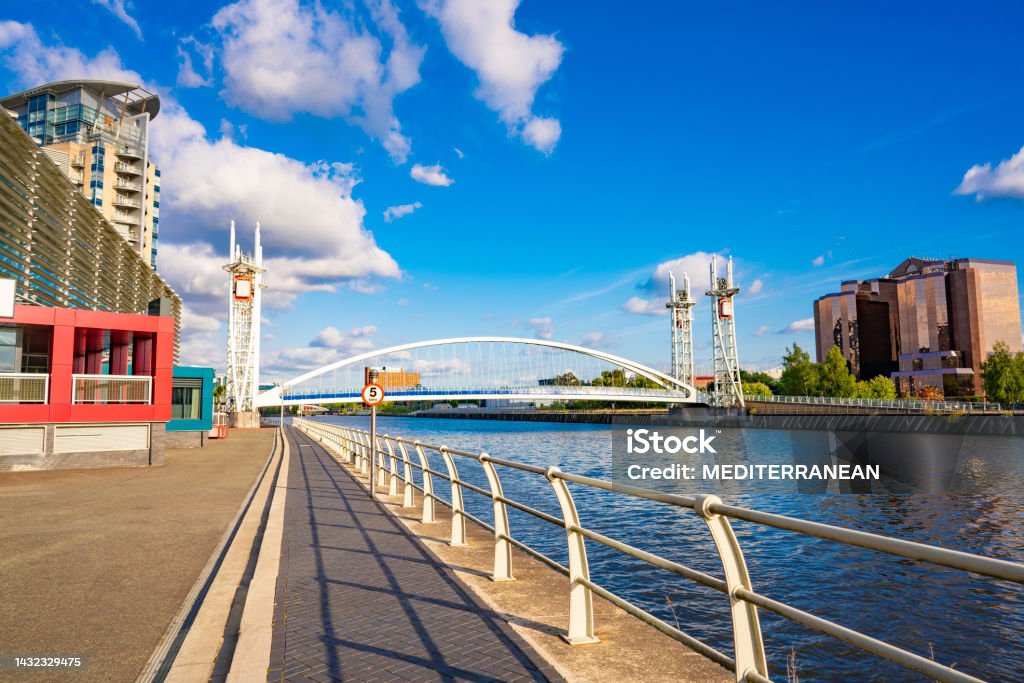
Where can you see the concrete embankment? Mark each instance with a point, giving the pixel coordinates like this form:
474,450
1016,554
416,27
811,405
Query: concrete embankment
98,562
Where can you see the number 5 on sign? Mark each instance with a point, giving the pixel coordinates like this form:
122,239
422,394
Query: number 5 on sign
373,394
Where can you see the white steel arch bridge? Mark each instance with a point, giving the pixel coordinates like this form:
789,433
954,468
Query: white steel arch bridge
471,368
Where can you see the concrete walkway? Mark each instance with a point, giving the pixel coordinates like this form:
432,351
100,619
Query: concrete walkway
359,599
97,562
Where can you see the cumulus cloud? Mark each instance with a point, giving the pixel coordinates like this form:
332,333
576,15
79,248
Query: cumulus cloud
395,212
357,339
509,64
430,175
598,340
188,77
818,261
542,327
694,265
755,287
281,57
1006,179
329,345
118,9
805,325
763,330
641,306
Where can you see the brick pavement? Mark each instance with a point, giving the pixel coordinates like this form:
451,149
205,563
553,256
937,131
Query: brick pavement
360,599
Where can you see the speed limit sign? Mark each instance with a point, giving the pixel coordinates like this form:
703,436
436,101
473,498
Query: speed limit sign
373,394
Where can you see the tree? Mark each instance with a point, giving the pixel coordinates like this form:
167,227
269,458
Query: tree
834,377
218,393
756,389
799,374
567,380
610,378
877,387
762,377
930,393
1003,375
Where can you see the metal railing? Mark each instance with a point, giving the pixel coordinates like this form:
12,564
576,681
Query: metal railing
381,465
20,387
896,403
111,389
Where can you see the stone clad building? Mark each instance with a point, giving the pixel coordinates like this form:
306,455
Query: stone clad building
930,322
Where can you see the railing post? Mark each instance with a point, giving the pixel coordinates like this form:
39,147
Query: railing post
428,486
581,600
502,547
364,462
407,487
746,628
458,519
393,478
382,474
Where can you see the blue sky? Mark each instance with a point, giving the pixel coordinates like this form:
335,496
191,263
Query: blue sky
585,149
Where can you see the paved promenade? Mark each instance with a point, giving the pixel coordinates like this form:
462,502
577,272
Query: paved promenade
358,598
97,562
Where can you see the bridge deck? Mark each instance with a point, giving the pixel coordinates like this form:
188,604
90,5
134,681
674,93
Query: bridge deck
360,599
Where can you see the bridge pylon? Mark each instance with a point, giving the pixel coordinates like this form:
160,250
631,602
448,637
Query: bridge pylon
728,387
681,304
246,277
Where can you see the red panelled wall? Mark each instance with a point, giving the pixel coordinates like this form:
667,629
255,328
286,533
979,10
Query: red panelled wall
77,338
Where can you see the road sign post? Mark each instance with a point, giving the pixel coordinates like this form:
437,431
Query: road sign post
373,394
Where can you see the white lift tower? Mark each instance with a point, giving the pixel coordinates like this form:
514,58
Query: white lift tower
728,387
681,305
243,381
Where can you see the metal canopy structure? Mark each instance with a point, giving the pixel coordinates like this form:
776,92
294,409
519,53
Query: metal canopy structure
470,368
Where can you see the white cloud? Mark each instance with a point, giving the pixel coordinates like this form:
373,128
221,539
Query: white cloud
1005,180
192,320
818,261
598,340
281,57
542,327
510,65
395,212
443,367
118,9
805,325
755,287
459,153
356,339
430,175
695,265
763,330
640,306
188,77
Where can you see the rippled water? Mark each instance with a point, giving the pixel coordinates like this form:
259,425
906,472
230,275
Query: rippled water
974,623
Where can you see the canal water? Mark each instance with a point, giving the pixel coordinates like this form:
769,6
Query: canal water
972,623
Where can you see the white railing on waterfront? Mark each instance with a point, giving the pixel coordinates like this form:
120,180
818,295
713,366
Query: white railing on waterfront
896,403
381,466
21,387
111,389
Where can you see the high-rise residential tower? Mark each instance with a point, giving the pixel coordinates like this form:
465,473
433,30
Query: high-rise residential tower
97,132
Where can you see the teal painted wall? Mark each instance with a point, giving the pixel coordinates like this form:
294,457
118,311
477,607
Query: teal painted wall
205,422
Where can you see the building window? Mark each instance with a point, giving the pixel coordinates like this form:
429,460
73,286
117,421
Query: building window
8,349
187,403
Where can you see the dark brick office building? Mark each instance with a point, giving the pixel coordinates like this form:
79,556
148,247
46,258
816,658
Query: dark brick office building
930,322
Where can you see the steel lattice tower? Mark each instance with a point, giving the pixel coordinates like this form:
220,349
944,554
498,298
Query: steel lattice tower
728,387
244,324
681,305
